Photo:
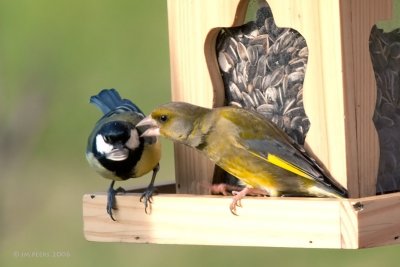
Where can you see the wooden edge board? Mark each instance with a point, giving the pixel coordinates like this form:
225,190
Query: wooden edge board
379,220
268,222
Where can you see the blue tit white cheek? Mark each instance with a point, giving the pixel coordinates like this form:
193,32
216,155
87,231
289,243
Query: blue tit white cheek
109,151
101,145
133,141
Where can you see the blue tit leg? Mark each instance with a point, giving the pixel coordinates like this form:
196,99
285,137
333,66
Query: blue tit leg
111,198
146,197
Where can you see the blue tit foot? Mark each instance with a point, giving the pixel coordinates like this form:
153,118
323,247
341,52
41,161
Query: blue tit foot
147,195
111,199
147,199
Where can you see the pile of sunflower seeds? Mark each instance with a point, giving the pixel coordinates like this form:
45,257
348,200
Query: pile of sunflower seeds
263,68
385,56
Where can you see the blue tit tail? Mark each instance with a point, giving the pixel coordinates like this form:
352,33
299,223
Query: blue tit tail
109,99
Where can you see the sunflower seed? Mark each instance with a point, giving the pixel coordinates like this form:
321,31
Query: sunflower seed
232,53
223,62
247,100
255,99
266,82
259,40
395,50
253,54
235,92
257,82
277,76
288,105
268,109
303,52
295,77
278,120
271,94
235,104
261,99
262,66
295,122
242,52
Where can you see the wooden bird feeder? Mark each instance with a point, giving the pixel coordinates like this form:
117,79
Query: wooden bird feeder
340,95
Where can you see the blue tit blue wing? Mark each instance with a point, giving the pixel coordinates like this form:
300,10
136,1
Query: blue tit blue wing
109,100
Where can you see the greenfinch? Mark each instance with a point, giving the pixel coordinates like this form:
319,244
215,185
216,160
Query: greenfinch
246,145
115,148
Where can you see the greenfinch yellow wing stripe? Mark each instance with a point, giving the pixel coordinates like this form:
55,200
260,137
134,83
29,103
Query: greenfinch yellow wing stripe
283,164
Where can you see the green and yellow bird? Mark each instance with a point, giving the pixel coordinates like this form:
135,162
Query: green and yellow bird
246,145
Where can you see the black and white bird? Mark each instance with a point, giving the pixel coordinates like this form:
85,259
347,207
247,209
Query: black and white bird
115,148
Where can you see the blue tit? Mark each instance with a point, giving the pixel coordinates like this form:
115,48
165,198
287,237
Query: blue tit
115,148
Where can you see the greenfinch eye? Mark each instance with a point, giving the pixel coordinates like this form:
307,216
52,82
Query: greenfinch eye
163,118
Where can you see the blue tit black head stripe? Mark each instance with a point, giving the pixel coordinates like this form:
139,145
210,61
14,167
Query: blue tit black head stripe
115,132
109,100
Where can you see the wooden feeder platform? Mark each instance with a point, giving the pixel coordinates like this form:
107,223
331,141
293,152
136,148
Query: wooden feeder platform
339,99
262,221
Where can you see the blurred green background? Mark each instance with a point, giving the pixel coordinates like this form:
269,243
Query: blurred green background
53,56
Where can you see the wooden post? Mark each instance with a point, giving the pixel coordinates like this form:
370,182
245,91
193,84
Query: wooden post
189,24
357,19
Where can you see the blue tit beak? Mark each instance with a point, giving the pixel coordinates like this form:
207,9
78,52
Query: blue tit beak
118,154
153,128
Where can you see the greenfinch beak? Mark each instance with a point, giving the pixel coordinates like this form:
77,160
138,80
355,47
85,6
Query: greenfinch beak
153,128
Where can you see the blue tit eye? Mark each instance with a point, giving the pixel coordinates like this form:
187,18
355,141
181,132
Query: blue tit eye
106,138
115,132
163,118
